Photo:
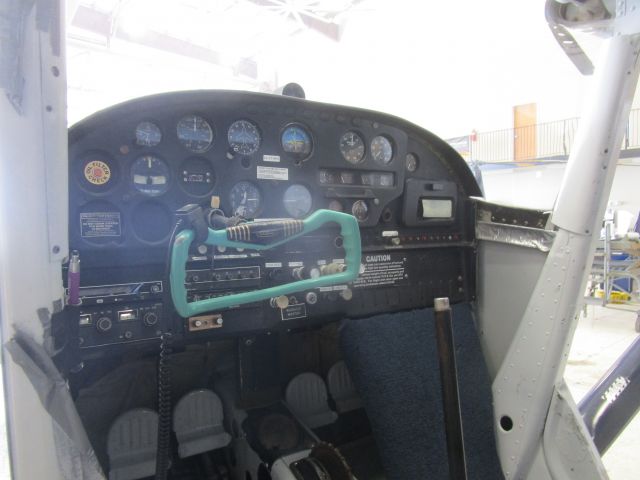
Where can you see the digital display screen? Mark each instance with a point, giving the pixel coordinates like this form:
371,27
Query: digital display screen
436,208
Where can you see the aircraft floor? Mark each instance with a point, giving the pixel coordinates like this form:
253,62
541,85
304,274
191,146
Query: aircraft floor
602,335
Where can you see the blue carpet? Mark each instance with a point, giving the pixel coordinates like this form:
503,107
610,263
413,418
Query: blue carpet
393,361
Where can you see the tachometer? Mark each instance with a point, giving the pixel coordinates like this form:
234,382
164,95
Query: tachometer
297,200
296,141
381,150
150,175
245,199
244,137
352,147
148,134
195,133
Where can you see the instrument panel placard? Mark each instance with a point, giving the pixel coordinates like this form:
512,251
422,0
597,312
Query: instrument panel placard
273,173
382,269
100,224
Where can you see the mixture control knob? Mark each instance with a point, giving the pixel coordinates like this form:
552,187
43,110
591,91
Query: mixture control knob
150,319
280,302
104,324
311,298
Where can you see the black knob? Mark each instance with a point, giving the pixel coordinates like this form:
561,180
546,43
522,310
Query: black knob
150,319
275,274
104,324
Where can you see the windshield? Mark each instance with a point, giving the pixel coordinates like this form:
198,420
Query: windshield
448,66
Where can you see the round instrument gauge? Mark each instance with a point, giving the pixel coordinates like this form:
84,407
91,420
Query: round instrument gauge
148,134
197,176
195,133
150,175
296,140
245,199
381,150
411,162
244,137
352,147
297,200
360,210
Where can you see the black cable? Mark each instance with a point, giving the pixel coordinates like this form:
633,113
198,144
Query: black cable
164,408
164,375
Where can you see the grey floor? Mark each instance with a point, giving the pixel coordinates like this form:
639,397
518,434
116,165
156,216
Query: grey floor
602,335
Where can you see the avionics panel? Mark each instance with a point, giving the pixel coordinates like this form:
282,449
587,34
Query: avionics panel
257,156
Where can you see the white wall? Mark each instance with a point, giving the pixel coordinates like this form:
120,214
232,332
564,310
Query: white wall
537,187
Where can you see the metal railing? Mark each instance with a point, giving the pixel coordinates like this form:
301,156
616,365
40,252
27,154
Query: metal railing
543,141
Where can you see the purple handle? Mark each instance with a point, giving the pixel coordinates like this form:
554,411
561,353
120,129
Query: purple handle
74,288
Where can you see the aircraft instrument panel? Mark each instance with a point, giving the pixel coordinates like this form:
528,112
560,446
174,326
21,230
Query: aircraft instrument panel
260,156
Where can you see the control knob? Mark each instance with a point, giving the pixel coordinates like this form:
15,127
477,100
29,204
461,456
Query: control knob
302,273
280,302
104,324
311,298
150,319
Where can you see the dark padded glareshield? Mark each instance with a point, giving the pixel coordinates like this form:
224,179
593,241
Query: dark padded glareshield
393,361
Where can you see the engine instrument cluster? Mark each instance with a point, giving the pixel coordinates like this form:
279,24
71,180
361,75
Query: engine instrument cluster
260,157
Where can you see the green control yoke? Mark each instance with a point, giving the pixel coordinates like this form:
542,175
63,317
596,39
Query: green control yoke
263,236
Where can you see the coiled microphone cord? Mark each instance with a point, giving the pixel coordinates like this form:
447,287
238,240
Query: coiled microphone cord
164,408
